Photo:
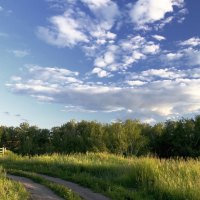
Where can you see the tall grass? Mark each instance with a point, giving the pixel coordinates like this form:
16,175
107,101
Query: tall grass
119,177
11,190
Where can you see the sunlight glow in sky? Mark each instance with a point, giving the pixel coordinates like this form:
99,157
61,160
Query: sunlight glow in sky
98,60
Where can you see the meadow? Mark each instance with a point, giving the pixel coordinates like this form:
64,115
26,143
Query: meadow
119,177
11,190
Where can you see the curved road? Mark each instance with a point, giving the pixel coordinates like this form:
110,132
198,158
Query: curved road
83,192
37,191
40,192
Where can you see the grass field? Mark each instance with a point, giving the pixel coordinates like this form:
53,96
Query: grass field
118,177
10,190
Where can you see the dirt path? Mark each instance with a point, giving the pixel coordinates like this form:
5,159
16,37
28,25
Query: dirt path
37,191
83,192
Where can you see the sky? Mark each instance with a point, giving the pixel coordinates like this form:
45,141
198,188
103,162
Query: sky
103,60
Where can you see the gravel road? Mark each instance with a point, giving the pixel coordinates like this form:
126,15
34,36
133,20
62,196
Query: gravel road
83,192
37,191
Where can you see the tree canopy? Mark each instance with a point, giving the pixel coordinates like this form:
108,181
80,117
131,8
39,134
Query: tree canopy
131,137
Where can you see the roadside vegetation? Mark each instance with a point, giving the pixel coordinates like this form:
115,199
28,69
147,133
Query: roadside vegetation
123,160
11,190
118,177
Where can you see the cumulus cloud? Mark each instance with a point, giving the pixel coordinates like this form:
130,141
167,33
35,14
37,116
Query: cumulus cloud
65,32
105,60
105,10
152,75
100,72
155,92
51,73
194,41
174,56
149,120
95,4
135,82
159,37
151,48
145,12
93,25
186,55
192,56
75,26
125,53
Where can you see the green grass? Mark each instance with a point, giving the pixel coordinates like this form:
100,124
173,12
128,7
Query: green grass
118,177
11,190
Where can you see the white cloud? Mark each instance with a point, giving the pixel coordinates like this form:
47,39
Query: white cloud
185,57
125,53
163,110
159,37
52,74
151,49
145,12
95,4
174,56
165,76
136,83
133,58
65,31
95,31
164,22
194,41
192,56
1,8
187,53
99,62
107,59
149,120
105,10
16,78
75,26
166,92
100,72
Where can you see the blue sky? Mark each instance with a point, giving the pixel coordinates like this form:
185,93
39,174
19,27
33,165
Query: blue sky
98,60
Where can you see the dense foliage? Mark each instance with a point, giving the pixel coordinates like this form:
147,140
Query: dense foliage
118,177
169,139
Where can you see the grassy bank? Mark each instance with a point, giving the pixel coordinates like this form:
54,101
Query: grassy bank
119,177
11,190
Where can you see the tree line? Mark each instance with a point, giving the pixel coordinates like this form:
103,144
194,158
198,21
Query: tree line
131,137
